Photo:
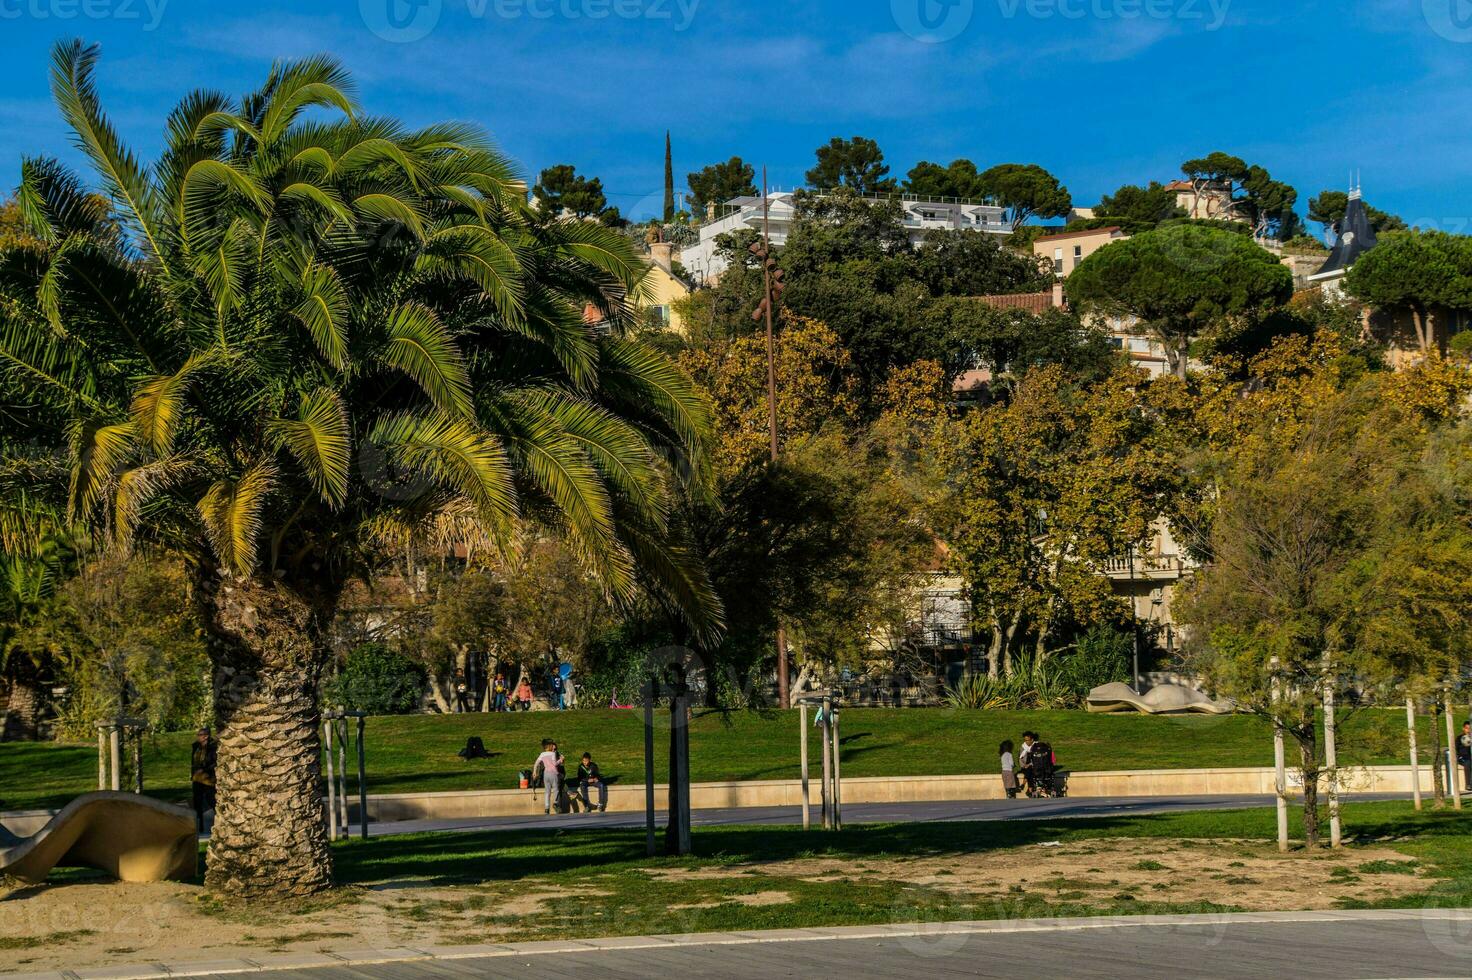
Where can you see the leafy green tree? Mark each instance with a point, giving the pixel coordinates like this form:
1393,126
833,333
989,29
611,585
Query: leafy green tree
129,643
1419,272
562,189
965,263
1182,282
1140,208
378,680
1311,525
1328,209
1041,490
857,164
328,335
1026,190
1247,193
720,182
957,179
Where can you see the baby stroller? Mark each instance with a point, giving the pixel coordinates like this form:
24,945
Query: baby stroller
1044,776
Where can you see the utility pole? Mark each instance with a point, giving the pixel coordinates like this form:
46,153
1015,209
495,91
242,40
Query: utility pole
772,287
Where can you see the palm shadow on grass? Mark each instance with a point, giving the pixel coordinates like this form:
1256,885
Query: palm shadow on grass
510,855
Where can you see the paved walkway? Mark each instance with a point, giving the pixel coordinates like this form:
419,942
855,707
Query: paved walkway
856,813
1302,945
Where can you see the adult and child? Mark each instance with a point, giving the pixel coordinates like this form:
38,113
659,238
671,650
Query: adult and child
551,770
1035,762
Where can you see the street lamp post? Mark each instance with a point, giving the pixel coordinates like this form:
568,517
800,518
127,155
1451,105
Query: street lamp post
772,287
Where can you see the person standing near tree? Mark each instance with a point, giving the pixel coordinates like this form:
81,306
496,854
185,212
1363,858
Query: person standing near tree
462,694
498,692
524,694
1464,754
558,686
202,774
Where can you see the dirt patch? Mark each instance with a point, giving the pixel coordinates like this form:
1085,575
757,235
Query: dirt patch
59,926
1245,874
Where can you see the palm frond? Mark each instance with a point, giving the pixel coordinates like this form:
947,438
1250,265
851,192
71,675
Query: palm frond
72,67
320,440
158,405
420,346
455,454
231,513
324,312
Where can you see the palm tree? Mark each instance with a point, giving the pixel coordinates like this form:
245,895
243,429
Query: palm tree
318,335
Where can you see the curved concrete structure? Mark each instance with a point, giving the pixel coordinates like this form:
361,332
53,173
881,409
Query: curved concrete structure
1163,699
133,838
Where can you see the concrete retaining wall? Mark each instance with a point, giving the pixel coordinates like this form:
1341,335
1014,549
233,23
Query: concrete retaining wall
885,789
389,807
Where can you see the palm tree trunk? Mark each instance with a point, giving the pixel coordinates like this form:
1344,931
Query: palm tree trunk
269,838
27,704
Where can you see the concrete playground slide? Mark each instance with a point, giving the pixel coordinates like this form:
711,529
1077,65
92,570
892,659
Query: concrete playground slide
133,838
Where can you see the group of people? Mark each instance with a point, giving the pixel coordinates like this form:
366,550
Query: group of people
1032,771
558,794
501,699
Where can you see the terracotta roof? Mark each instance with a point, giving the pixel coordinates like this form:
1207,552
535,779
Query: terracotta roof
1111,229
1178,185
1032,302
971,380
591,314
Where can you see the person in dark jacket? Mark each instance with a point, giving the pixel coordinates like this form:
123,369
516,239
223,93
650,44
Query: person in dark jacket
202,774
590,778
1464,754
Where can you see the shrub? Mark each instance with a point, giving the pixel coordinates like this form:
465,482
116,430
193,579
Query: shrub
377,680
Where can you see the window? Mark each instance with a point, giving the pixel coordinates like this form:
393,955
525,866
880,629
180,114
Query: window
660,315
1078,251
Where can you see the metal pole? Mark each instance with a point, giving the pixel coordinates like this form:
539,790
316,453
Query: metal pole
802,725
1331,758
115,757
1453,783
101,758
783,700
1280,776
649,765
827,770
1415,762
837,782
331,783
342,773
362,784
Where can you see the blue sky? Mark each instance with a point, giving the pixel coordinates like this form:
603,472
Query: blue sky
1101,92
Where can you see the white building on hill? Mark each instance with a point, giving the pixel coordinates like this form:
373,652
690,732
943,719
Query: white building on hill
702,261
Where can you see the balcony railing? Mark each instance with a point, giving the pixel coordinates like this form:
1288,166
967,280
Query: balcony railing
1135,565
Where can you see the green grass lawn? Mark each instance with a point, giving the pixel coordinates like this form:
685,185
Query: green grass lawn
610,887
417,752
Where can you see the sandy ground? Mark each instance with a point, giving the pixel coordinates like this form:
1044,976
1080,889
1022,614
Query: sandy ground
70,925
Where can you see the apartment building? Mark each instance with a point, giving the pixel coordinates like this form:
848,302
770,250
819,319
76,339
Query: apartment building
703,262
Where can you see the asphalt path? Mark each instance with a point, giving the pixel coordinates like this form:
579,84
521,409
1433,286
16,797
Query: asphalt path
1304,946
857,813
